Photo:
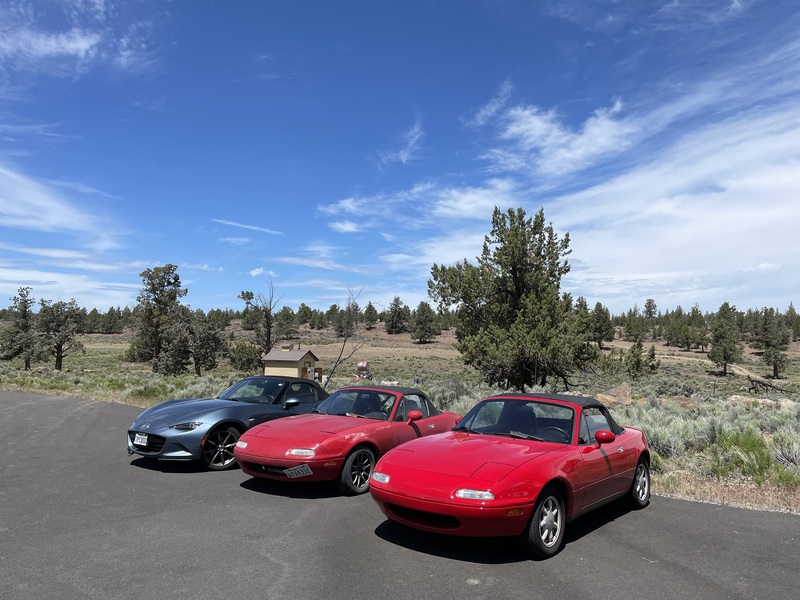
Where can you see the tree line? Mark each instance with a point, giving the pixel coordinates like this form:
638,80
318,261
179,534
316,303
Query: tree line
512,321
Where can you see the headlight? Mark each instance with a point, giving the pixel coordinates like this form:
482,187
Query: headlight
186,426
468,494
304,452
241,444
380,477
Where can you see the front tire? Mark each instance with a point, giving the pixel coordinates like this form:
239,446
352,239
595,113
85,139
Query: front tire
217,452
357,469
545,534
639,495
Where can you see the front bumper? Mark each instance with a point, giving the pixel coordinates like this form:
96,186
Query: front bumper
326,469
452,517
169,444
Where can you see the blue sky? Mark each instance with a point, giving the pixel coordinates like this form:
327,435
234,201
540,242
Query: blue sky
338,147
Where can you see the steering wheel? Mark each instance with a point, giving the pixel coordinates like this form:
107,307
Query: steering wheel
558,430
267,399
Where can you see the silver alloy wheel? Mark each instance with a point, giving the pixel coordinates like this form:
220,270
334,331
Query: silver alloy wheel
641,483
218,449
550,522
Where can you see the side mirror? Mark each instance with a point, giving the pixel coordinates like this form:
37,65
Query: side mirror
604,437
414,415
291,403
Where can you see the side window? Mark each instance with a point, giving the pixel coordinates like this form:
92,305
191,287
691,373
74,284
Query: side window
302,391
593,419
418,403
409,403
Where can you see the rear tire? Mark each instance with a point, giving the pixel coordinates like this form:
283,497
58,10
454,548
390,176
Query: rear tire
217,452
639,494
357,469
545,534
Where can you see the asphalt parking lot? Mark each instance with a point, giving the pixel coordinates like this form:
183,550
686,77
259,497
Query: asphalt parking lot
79,518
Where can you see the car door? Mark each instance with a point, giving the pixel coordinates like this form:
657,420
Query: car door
602,465
403,430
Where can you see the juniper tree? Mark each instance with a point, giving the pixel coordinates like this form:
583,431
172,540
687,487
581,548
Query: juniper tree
513,323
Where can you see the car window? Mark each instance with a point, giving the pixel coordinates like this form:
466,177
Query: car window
302,391
518,418
592,420
411,402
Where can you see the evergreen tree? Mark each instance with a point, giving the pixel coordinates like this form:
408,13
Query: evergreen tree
725,346
370,316
286,324
19,340
513,324
793,322
58,325
396,317
303,313
159,306
650,309
423,324
634,360
244,357
345,320
774,341
602,327
206,342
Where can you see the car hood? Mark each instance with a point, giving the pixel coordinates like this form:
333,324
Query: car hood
465,455
314,427
179,411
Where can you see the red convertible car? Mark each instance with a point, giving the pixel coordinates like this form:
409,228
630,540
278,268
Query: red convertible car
343,438
516,465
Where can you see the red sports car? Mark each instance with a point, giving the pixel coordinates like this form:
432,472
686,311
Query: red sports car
342,439
515,465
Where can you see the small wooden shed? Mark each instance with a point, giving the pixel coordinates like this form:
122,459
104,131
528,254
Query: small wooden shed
291,363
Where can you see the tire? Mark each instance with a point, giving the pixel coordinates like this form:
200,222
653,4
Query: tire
639,495
545,534
217,452
357,469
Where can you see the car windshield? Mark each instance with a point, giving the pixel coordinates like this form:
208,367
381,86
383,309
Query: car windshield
369,404
262,390
520,419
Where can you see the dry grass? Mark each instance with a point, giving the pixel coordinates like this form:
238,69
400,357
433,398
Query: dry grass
741,493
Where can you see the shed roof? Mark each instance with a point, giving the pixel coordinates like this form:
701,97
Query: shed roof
293,356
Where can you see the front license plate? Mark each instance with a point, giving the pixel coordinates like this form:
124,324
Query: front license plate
298,471
140,439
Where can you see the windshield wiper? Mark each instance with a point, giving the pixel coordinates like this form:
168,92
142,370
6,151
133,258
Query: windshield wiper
467,429
519,435
316,410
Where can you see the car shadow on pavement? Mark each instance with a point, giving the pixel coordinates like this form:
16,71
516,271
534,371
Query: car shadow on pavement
169,466
499,550
298,489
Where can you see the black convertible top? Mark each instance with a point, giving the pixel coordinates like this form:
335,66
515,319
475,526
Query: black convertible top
582,401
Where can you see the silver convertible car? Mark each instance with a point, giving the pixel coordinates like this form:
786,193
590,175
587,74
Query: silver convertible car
207,429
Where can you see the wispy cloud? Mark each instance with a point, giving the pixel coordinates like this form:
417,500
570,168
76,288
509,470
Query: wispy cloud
245,226
29,205
76,36
236,241
261,271
494,106
346,226
409,146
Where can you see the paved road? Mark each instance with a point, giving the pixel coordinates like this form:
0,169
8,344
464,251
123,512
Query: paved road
79,518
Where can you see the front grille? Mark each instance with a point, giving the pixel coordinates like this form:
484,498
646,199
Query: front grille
259,468
421,517
154,442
